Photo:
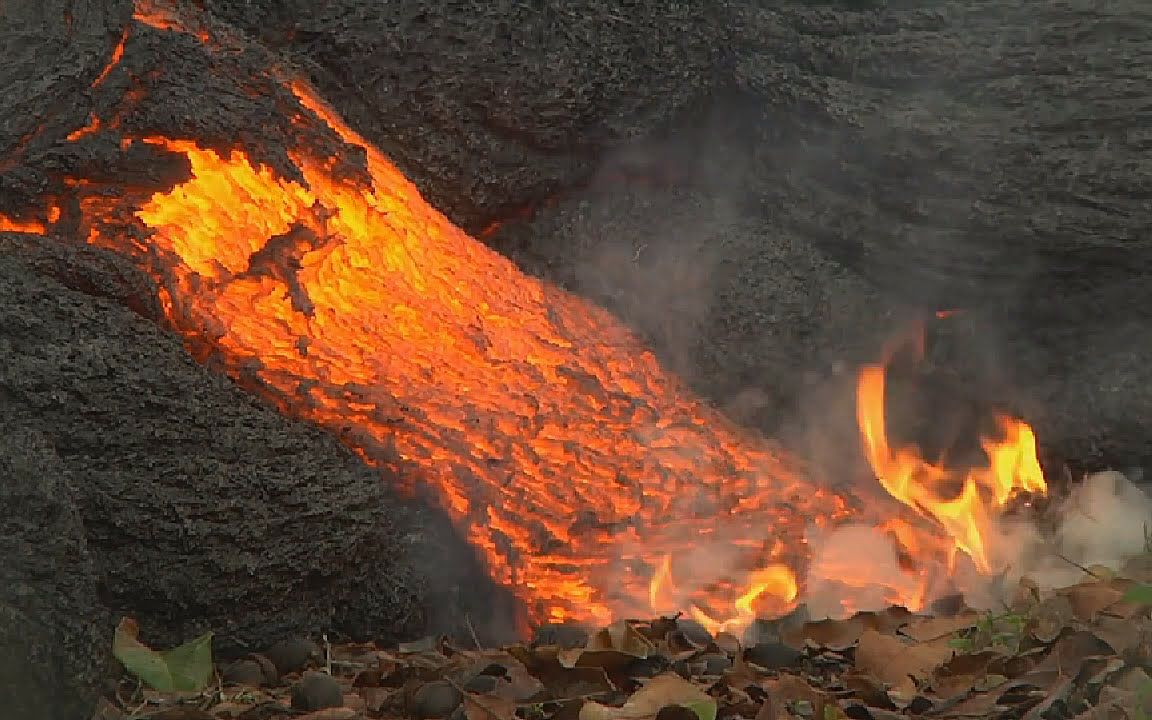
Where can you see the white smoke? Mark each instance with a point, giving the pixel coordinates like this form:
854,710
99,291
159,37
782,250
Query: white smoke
1104,522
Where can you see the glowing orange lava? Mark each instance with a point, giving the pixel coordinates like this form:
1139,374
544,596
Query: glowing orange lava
561,448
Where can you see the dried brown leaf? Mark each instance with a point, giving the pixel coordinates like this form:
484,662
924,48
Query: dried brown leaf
488,707
564,683
832,634
1069,652
898,664
1051,618
623,637
961,674
376,698
982,705
332,714
727,643
1089,599
659,692
928,629
869,690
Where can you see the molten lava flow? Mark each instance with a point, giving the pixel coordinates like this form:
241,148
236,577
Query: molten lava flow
967,515
566,455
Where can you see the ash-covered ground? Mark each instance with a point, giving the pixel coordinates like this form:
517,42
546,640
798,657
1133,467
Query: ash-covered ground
764,190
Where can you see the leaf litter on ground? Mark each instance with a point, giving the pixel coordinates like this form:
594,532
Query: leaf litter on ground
1079,653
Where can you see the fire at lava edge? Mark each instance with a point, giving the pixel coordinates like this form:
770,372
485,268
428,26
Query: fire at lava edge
591,482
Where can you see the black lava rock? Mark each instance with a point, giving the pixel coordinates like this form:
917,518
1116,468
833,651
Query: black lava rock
293,654
316,691
435,700
772,655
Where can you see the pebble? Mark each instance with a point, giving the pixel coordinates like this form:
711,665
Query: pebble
294,654
245,672
316,691
435,700
773,655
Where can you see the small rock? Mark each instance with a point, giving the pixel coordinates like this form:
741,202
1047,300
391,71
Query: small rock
271,674
245,672
772,655
435,700
694,632
316,691
294,654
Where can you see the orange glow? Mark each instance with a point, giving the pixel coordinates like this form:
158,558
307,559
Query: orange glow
92,126
117,56
761,592
160,14
965,516
33,226
8,224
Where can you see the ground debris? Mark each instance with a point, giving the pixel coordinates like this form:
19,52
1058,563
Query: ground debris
1071,654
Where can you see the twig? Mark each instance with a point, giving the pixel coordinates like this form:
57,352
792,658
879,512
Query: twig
1077,565
327,653
472,630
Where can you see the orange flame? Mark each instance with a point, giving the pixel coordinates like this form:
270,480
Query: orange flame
761,592
966,517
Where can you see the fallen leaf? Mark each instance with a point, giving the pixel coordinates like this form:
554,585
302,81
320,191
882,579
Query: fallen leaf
376,697
659,692
1050,618
896,663
623,637
928,629
1089,599
339,713
185,668
832,634
1070,652
488,707
564,683
790,688
961,674
869,690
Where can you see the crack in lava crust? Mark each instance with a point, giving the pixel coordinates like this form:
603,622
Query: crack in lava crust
562,450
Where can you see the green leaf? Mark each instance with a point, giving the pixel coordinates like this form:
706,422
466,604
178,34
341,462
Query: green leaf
186,668
1139,595
705,710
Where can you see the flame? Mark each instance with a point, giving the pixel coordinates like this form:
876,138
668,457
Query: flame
762,592
967,516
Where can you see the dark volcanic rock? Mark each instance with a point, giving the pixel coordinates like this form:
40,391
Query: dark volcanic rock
875,159
54,635
489,106
203,508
